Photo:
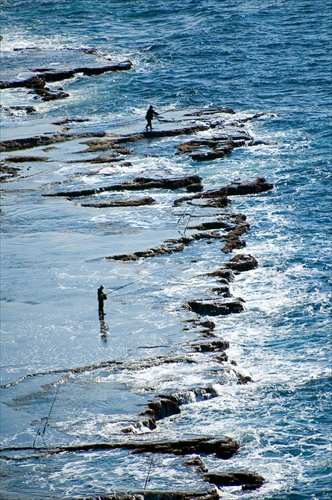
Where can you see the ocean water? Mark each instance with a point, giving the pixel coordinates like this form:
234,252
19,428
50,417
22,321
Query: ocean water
68,378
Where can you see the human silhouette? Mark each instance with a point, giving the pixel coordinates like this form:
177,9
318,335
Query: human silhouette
149,117
101,297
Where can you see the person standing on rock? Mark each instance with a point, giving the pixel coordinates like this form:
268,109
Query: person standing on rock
101,297
149,117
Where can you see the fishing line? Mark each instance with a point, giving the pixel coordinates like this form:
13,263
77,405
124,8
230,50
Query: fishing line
130,283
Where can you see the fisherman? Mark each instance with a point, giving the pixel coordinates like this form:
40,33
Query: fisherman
149,116
101,297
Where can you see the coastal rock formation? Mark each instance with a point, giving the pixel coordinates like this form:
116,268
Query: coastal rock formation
121,203
160,495
210,308
137,184
259,185
242,263
50,76
248,480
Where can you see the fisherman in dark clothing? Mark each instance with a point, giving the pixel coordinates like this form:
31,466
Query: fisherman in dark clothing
101,297
149,116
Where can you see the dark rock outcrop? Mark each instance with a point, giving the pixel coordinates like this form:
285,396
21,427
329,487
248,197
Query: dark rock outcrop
242,263
213,346
259,185
44,140
121,203
248,480
137,184
224,274
23,159
52,76
214,308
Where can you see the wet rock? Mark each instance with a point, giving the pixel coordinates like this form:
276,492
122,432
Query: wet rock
160,495
259,185
53,96
221,358
211,111
27,109
224,274
49,76
256,186
43,140
242,263
212,225
7,173
213,308
65,121
22,159
171,246
137,184
222,448
164,407
243,379
121,203
222,290
233,240
216,345
248,481
198,463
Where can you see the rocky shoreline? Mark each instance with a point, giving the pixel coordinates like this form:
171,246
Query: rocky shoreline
227,229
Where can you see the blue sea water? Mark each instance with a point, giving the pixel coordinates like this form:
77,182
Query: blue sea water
269,56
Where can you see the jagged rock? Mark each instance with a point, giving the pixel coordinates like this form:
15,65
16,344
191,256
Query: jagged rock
121,203
221,358
164,407
222,290
242,263
243,379
213,308
198,463
225,274
216,345
27,109
248,480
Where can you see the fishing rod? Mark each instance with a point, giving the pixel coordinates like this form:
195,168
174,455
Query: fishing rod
148,475
42,434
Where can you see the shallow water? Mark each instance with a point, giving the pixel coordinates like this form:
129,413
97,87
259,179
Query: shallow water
267,57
